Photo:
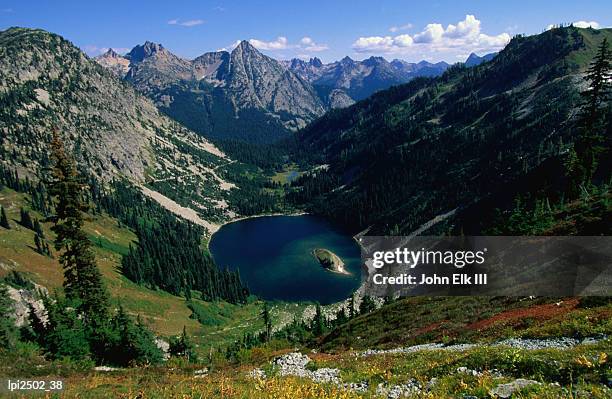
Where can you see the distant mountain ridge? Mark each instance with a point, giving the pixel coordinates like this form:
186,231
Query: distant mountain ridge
243,94
246,95
360,79
474,59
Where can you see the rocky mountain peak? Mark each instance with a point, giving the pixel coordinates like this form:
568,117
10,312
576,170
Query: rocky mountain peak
117,64
299,63
474,59
246,53
402,65
245,46
144,51
373,61
316,62
347,61
110,53
296,63
424,63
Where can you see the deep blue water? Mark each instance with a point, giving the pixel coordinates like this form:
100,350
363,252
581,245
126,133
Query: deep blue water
274,256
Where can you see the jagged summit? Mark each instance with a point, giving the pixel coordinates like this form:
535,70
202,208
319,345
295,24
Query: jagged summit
118,64
245,47
316,62
241,93
347,60
375,59
146,50
474,59
111,53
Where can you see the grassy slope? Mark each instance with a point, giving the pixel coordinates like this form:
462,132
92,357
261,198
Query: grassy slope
165,313
419,320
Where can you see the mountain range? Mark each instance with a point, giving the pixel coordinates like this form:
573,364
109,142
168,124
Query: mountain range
246,95
360,79
454,147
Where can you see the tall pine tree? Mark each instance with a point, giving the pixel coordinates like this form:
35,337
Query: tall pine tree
583,161
318,327
8,335
82,279
3,219
267,319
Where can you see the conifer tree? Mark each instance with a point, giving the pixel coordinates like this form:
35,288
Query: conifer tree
65,332
583,163
82,279
367,305
26,220
136,344
341,317
38,229
7,322
38,244
3,219
319,321
182,347
267,319
35,330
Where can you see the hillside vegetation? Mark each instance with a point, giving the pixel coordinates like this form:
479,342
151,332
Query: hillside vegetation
470,140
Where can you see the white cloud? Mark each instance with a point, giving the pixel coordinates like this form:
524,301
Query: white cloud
386,44
579,24
280,43
466,28
587,24
492,42
188,23
192,22
432,33
373,44
463,37
309,45
394,29
306,41
403,41
306,44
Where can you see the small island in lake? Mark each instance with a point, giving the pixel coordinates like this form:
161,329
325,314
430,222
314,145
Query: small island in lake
330,260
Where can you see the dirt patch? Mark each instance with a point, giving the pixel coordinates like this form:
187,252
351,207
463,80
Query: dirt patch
429,328
539,312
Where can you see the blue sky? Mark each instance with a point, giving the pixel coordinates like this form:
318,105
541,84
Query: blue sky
432,30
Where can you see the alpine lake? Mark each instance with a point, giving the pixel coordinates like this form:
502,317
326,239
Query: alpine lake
274,255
